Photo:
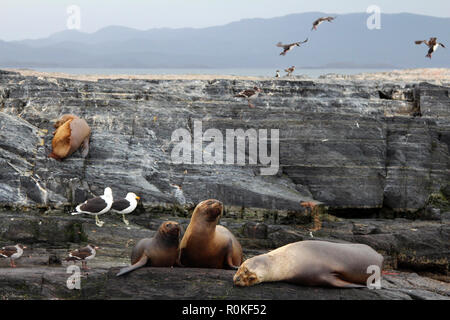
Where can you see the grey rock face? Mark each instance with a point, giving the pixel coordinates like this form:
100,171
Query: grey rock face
347,144
42,271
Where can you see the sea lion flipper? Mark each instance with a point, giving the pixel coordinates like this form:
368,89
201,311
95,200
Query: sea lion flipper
229,259
142,262
335,281
85,147
178,262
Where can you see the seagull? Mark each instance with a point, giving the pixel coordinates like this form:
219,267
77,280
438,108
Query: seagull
178,194
96,206
83,254
289,71
320,21
432,44
125,206
12,252
252,93
289,47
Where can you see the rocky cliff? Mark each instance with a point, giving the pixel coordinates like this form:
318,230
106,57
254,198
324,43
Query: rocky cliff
345,143
365,147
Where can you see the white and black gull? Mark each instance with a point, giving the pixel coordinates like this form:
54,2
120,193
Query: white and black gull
12,252
84,254
97,206
126,205
432,44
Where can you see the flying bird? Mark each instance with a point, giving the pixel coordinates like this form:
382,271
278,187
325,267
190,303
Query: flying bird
432,44
247,94
125,206
83,255
289,47
319,21
12,252
96,206
289,71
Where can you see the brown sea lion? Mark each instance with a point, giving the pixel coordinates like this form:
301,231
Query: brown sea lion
71,133
160,251
311,263
206,244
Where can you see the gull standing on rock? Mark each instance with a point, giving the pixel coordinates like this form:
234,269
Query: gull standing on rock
12,252
252,93
290,71
178,194
97,206
125,206
83,255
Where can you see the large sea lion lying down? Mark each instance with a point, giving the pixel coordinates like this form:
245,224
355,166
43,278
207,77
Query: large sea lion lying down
206,244
311,263
71,133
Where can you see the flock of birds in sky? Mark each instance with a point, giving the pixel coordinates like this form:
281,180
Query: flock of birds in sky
253,93
432,45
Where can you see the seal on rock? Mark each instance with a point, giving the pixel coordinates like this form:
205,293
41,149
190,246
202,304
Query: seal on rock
159,251
311,263
206,244
71,134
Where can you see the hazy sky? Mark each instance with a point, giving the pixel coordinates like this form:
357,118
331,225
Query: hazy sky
22,19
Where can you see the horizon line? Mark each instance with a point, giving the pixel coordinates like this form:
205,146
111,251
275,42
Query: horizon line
213,26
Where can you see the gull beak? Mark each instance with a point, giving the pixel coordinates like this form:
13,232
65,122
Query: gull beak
138,198
97,248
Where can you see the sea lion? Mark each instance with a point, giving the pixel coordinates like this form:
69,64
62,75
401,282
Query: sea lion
206,244
71,133
159,251
311,263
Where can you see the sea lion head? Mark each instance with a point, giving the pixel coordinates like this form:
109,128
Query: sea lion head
251,272
171,230
63,119
210,210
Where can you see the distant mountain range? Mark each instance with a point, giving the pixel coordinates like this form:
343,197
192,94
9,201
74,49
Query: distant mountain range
345,43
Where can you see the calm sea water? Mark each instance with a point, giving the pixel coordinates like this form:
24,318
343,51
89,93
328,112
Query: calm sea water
313,73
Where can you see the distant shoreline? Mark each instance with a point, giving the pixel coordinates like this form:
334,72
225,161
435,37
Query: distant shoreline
433,75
